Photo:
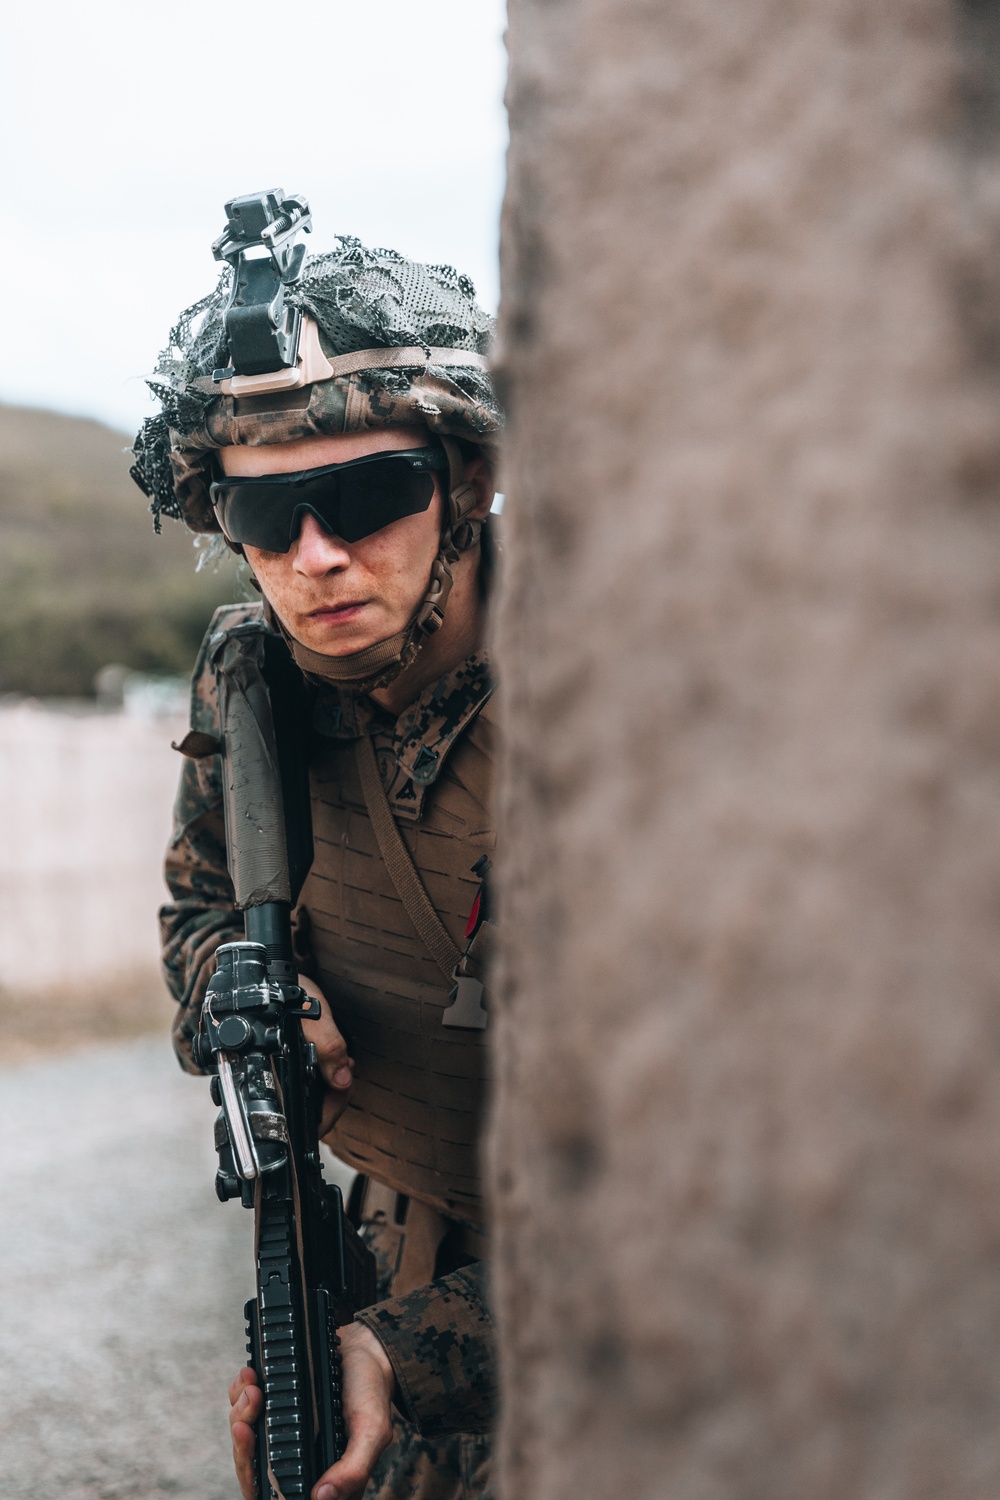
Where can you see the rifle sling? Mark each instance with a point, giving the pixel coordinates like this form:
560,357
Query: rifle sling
399,863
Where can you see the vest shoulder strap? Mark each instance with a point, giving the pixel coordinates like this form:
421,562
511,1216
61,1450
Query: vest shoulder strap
402,871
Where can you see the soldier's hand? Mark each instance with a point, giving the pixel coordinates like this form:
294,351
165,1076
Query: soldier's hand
334,1064
368,1387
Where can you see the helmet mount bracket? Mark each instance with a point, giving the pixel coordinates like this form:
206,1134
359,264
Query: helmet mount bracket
262,329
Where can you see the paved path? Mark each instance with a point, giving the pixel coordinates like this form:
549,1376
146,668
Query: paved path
122,1281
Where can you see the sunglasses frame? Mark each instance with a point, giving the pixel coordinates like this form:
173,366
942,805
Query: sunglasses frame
425,460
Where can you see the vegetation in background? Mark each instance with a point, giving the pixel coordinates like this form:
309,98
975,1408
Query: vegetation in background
83,578
46,1022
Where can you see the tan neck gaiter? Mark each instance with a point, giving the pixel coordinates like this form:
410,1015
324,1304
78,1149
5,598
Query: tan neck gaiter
363,672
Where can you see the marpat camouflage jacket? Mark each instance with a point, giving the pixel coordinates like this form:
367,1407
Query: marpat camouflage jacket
440,1336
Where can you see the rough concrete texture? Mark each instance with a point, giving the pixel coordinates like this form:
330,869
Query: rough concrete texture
746,1144
122,1282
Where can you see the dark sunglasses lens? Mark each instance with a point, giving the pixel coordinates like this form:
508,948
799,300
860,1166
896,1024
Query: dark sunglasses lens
352,503
257,514
377,494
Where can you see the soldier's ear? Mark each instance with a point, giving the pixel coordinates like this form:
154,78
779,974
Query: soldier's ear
479,474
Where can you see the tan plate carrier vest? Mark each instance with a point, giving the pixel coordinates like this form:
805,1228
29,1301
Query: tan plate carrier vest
414,1116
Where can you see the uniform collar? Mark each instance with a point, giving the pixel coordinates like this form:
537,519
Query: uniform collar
418,741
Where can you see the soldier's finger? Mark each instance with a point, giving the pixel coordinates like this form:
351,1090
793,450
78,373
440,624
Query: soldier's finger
329,1042
243,1463
245,1377
343,1076
337,1071
246,1410
334,1064
327,1039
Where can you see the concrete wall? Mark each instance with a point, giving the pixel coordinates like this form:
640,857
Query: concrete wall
746,1144
85,801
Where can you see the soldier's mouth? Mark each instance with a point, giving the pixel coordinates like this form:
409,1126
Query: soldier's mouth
336,614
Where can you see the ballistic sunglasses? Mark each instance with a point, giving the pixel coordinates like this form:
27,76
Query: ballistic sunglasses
351,500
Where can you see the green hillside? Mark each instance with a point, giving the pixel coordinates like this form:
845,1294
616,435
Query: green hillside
83,579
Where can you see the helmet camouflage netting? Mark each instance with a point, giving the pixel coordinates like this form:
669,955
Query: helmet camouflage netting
360,299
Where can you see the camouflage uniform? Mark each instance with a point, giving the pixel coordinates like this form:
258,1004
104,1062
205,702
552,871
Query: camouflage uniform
413,1118
440,1341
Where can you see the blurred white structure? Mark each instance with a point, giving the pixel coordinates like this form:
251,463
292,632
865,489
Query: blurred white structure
85,808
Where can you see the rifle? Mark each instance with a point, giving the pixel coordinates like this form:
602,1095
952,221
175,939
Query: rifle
313,1271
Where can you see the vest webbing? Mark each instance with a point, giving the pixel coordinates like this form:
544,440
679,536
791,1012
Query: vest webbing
402,870
414,1117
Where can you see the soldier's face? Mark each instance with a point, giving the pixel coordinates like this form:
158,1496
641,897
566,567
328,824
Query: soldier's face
339,597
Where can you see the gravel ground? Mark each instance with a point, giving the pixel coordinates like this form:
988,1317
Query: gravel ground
122,1282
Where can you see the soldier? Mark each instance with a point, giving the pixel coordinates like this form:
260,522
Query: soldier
379,587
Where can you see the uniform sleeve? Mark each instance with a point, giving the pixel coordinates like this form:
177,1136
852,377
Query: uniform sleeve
441,1342
201,913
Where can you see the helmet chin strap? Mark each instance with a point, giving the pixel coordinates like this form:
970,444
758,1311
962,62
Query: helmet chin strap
378,665
363,671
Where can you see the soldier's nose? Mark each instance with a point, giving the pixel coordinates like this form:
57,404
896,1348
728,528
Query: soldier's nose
316,551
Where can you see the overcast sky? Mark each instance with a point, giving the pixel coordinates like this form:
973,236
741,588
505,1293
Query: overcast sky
125,125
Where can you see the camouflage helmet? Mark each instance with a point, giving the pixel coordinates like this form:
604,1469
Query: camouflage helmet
356,303
380,341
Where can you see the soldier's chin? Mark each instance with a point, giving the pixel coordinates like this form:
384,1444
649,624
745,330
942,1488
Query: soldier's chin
339,637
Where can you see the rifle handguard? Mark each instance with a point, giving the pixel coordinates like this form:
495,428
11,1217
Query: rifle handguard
255,827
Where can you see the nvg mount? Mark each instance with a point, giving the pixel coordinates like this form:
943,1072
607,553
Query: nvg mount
261,327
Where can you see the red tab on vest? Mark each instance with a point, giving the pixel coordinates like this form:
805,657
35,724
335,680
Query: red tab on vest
473,921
